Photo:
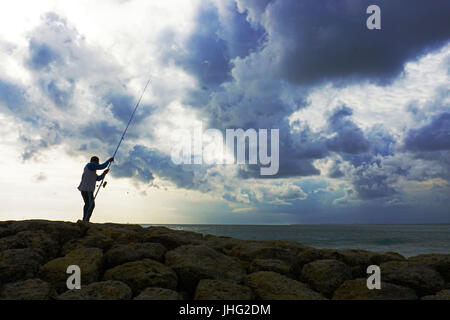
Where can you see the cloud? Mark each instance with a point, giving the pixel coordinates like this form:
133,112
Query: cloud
144,164
328,40
432,137
348,138
249,64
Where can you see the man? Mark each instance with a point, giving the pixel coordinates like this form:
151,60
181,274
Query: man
87,184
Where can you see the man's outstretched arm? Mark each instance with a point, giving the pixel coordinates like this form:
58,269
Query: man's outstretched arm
95,166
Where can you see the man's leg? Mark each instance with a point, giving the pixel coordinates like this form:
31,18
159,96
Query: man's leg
85,196
91,205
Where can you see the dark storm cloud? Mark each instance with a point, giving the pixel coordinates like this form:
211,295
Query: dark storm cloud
433,137
142,163
349,137
328,40
122,106
102,131
208,51
371,183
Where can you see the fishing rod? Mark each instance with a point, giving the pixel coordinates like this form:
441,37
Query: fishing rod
123,136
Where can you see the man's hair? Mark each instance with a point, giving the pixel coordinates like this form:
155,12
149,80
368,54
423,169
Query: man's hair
95,159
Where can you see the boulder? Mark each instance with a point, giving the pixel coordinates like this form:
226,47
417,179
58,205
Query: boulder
89,260
171,239
325,276
119,233
423,279
221,290
104,290
130,227
219,243
97,240
441,295
141,274
277,249
61,231
269,285
153,293
379,258
274,265
123,253
193,263
357,290
439,262
45,245
19,264
4,229
358,260
310,255
31,289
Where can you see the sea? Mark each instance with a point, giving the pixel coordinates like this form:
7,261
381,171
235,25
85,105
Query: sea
408,240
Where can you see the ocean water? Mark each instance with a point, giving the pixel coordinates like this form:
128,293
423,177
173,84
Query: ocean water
408,240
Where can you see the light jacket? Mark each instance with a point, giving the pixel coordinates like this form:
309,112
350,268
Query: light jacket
90,177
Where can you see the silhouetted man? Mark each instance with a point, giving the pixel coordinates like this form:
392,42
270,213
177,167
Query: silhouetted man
87,184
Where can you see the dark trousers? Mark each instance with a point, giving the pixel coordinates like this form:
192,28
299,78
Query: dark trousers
89,204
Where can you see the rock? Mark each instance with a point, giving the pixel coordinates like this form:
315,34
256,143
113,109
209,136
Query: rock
119,233
441,295
439,262
310,255
98,240
171,239
423,279
357,260
193,263
120,254
269,285
39,241
4,229
274,265
325,276
61,231
282,250
222,244
19,264
89,260
379,258
141,274
130,227
357,290
32,289
158,294
104,290
222,290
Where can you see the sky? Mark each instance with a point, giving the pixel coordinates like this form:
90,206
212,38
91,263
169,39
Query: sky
363,115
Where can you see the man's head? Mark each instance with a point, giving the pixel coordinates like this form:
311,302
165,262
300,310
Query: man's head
95,159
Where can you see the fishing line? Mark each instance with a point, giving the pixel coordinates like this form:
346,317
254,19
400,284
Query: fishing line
123,136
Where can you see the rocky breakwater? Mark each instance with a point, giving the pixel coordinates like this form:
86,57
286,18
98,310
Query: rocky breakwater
120,262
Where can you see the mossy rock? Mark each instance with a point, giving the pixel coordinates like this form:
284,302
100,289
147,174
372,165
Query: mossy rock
357,290
141,274
273,286
104,290
90,261
222,290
